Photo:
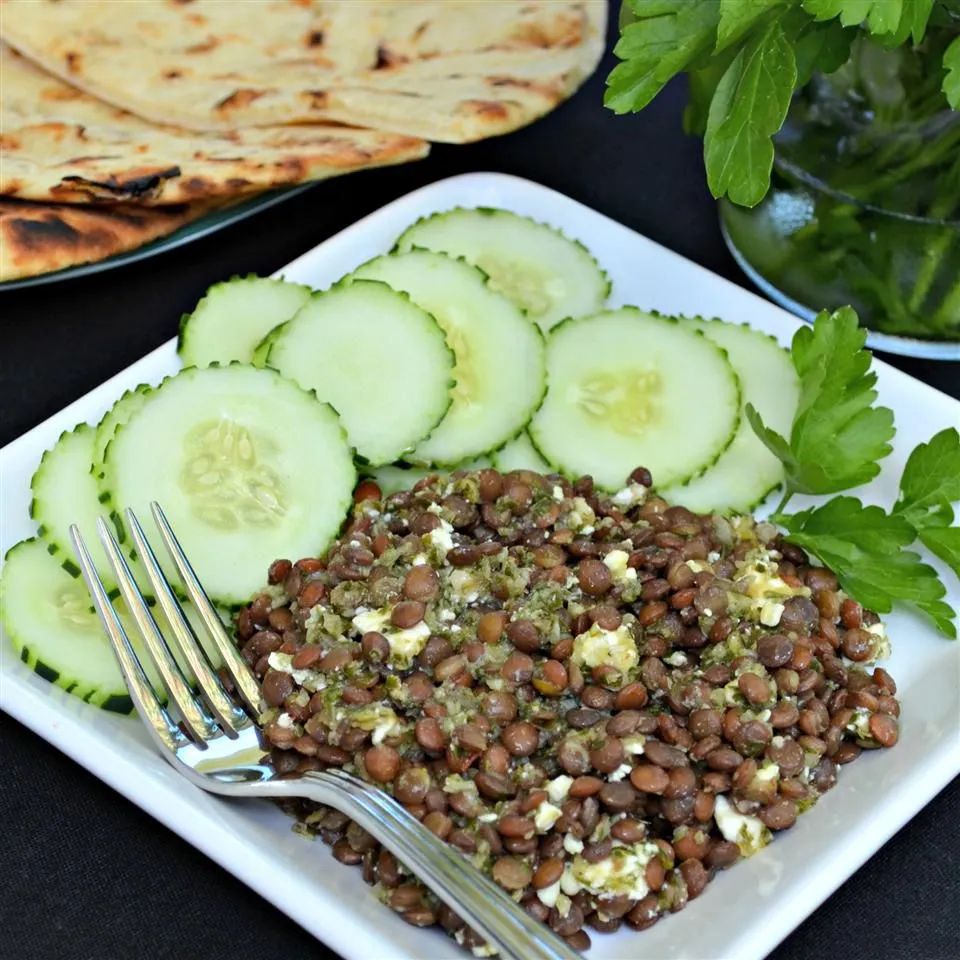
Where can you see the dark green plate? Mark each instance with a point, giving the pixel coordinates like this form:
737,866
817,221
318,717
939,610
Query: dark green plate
201,227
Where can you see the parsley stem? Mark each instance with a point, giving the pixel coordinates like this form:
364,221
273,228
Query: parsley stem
787,494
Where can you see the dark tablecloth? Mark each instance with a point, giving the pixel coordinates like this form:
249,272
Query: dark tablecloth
84,873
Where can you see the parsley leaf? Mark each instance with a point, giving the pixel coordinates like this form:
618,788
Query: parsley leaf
931,482
823,47
837,435
668,36
913,22
951,80
738,17
748,108
945,543
846,518
881,16
864,546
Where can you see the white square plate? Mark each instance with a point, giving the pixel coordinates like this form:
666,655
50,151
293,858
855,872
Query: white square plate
746,911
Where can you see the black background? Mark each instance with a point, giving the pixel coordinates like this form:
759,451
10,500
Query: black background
84,874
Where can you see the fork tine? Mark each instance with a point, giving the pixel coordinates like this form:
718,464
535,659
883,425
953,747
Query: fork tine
200,726
228,715
151,711
240,673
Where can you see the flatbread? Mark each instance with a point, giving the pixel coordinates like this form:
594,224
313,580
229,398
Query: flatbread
36,238
62,144
445,70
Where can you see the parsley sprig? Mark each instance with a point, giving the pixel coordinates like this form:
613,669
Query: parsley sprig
837,439
745,58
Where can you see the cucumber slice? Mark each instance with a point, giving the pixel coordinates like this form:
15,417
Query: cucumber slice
49,619
628,388
746,472
262,349
393,477
550,276
377,357
247,466
499,354
520,454
234,316
64,492
116,416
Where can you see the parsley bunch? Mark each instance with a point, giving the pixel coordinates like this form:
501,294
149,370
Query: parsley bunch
745,59
837,437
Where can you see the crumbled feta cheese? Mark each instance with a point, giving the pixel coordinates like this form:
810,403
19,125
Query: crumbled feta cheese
446,616
622,771
371,621
747,832
769,771
713,556
616,563
379,719
404,644
580,516
557,493
630,495
283,663
633,744
546,816
859,723
420,560
881,647
285,721
465,586
559,787
568,882
623,872
676,659
758,579
488,817
770,613
440,536
572,845
597,647
548,895
454,783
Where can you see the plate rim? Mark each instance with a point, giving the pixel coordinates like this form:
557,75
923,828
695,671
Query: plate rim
24,702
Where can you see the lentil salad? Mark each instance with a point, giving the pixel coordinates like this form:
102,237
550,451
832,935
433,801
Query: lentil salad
601,700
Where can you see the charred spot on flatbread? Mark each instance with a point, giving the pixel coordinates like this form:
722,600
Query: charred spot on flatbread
135,187
316,99
239,99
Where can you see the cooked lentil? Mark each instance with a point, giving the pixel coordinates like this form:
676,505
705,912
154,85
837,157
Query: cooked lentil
600,701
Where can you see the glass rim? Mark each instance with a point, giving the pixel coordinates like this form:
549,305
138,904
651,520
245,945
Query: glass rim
811,180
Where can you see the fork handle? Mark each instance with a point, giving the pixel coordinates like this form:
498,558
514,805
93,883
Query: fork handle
477,900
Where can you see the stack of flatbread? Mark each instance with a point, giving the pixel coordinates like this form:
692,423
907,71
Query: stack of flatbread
122,121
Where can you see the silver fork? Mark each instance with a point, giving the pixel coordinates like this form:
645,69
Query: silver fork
216,745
